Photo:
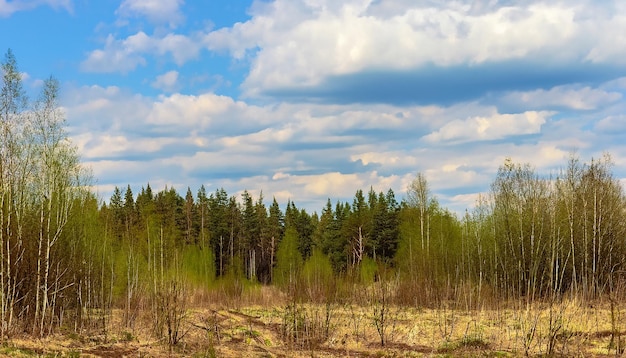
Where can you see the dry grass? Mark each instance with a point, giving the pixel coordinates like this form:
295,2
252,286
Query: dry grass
256,326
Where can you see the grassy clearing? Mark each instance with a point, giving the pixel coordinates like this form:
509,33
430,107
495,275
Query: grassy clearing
279,327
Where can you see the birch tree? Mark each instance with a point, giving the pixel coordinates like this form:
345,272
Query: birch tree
59,174
13,104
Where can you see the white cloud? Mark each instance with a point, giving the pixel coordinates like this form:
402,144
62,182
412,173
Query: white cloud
159,12
309,152
299,43
104,145
313,150
615,124
104,109
167,82
332,184
459,203
118,56
9,7
313,190
135,173
573,97
124,55
612,24
205,112
445,176
388,159
497,126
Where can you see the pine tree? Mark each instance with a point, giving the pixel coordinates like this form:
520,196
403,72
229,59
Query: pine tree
203,212
275,229
190,213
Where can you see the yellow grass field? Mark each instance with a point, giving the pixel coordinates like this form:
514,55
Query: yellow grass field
274,327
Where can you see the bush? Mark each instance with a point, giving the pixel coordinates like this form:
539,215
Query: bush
318,277
288,260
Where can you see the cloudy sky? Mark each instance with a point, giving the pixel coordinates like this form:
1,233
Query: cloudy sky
310,99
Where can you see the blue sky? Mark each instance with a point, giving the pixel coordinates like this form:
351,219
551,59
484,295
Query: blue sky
310,99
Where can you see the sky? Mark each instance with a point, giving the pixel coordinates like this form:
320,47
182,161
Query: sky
306,100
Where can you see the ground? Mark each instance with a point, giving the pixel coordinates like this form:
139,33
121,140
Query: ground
279,328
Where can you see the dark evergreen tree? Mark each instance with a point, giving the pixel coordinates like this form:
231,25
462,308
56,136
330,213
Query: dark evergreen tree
203,216
274,233
358,228
190,209
129,213
219,228
116,207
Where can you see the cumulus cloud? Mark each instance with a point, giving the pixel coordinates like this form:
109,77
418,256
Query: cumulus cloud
210,114
344,95
122,56
332,184
497,126
615,124
167,82
318,187
309,152
136,173
309,191
125,55
395,159
189,110
572,97
302,43
9,7
394,51
105,109
103,145
159,12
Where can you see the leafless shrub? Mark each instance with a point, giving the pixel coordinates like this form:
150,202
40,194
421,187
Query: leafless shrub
304,327
171,311
384,314
616,290
446,321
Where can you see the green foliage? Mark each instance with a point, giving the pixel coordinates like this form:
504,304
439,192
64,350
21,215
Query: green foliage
288,260
234,283
198,266
328,236
129,268
317,268
368,269
409,249
318,276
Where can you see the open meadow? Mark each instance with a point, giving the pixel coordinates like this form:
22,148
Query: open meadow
264,322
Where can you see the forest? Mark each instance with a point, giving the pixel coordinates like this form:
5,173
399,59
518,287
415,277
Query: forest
71,259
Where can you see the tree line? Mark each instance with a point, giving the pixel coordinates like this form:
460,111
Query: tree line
68,257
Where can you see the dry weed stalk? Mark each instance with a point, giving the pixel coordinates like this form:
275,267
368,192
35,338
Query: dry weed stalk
446,321
171,311
384,316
